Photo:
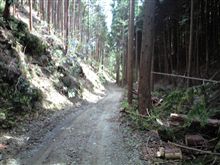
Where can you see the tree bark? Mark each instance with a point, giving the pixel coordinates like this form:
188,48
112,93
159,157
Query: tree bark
79,20
6,12
117,69
62,18
190,43
130,51
66,24
144,90
59,14
125,63
49,14
72,19
30,16
42,9
207,39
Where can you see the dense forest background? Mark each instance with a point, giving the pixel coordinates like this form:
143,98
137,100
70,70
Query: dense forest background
184,42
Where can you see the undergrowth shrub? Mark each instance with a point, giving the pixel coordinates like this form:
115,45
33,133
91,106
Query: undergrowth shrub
31,43
2,4
138,121
193,102
17,101
189,101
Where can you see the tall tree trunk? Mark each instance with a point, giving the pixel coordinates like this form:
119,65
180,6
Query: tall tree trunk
123,54
59,14
66,24
79,19
144,90
130,51
62,18
125,63
190,43
88,30
42,9
6,12
30,15
49,14
136,58
72,23
34,4
54,13
117,69
207,39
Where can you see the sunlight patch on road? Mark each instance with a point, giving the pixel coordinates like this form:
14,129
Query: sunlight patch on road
90,97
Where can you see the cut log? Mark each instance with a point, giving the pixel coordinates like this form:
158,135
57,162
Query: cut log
170,153
176,154
177,118
195,140
182,118
161,152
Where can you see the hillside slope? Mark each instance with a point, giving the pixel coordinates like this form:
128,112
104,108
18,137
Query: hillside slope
36,74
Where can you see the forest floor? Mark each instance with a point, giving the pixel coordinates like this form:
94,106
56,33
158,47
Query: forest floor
89,134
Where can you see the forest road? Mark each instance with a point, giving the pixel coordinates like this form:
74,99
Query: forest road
91,137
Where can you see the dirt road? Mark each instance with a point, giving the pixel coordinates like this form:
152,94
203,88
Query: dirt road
92,136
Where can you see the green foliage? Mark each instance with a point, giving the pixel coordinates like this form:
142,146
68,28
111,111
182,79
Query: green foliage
112,61
70,62
138,121
124,104
23,96
71,93
199,112
2,116
58,53
17,25
2,4
31,43
116,38
190,101
171,103
102,77
16,100
2,22
11,1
